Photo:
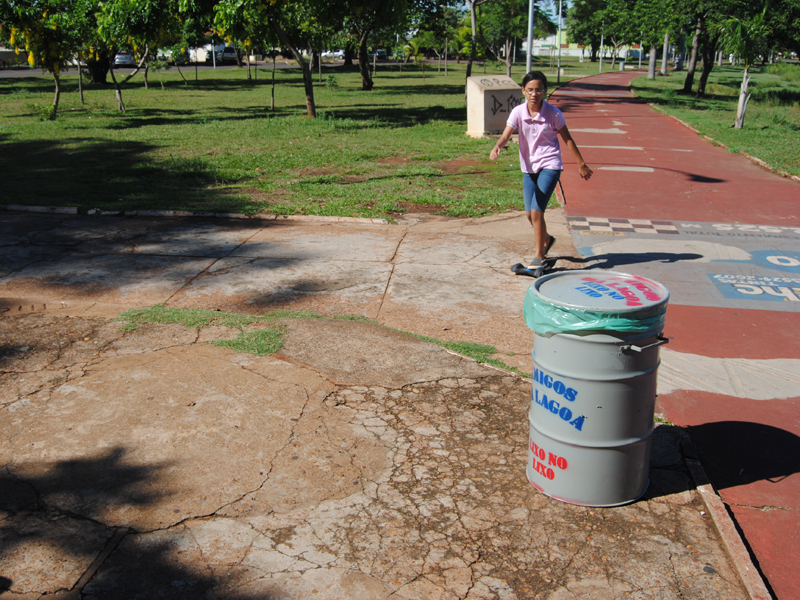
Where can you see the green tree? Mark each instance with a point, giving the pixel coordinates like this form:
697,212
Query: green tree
746,39
585,24
783,22
364,19
140,26
501,21
473,20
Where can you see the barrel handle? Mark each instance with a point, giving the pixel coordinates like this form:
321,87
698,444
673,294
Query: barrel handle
661,341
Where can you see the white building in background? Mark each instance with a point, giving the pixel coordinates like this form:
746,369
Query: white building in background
10,58
549,47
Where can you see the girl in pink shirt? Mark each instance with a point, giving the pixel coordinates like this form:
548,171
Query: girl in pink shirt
539,124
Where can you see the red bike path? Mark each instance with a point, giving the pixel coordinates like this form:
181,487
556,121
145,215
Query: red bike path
650,167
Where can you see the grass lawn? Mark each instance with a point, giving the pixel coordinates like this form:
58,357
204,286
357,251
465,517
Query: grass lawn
772,123
210,145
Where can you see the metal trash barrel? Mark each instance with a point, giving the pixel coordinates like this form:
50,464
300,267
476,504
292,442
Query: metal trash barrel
595,359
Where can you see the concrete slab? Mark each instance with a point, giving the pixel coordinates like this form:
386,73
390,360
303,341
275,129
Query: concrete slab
146,462
137,280
353,353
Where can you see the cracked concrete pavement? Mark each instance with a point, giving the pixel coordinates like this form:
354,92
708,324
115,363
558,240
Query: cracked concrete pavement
358,462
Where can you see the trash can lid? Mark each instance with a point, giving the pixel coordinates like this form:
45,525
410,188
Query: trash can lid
600,291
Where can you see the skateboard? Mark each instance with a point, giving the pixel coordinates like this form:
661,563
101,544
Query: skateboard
547,265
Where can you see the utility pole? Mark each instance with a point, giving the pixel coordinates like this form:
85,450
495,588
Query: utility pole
558,77
641,48
601,47
530,37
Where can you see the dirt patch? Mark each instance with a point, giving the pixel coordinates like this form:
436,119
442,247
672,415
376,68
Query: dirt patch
413,207
462,167
394,160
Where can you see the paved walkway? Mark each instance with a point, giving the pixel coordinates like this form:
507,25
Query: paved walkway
722,234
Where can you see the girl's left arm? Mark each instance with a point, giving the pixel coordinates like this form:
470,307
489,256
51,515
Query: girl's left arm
584,169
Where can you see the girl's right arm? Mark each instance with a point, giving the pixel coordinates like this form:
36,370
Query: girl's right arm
501,143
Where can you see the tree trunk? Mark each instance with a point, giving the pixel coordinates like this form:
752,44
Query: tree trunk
308,81
181,74
507,60
595,49
679,59
613,53
348,57
651,67
57,95
666,54
272,102
692,66
98,68
146,71
117,90
473,52
744,98
80,79
709,48
363,65
315,59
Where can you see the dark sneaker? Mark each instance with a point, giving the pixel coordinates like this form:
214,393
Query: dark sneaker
549,245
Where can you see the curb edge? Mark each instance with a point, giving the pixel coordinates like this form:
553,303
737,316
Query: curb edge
72,210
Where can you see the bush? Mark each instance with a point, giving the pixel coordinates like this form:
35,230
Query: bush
785,71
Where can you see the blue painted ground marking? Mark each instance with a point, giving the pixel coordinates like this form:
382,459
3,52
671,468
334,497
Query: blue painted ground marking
752,287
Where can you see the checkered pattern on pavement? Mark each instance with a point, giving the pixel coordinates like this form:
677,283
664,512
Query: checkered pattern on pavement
602,224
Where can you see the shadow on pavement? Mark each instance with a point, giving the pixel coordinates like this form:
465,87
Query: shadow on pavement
668,471
131,564
612,261
736,453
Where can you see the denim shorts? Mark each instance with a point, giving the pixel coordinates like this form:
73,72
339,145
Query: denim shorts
538,187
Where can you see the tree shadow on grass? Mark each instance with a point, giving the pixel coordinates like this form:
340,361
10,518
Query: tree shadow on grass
33,85
402,117
118,175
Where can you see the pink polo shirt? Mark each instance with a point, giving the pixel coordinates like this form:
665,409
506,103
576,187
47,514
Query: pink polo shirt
538,137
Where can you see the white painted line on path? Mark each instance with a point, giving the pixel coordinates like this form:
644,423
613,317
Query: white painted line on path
615,130
618,123
631,169
614,147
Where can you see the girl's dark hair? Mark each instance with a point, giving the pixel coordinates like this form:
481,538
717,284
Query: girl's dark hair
535,76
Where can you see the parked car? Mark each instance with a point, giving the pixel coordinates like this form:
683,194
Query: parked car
337,54
381,54
124,59
228,55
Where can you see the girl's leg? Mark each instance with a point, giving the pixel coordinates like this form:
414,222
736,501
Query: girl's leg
540,187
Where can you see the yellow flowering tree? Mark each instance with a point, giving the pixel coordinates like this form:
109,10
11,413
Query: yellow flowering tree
49,31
